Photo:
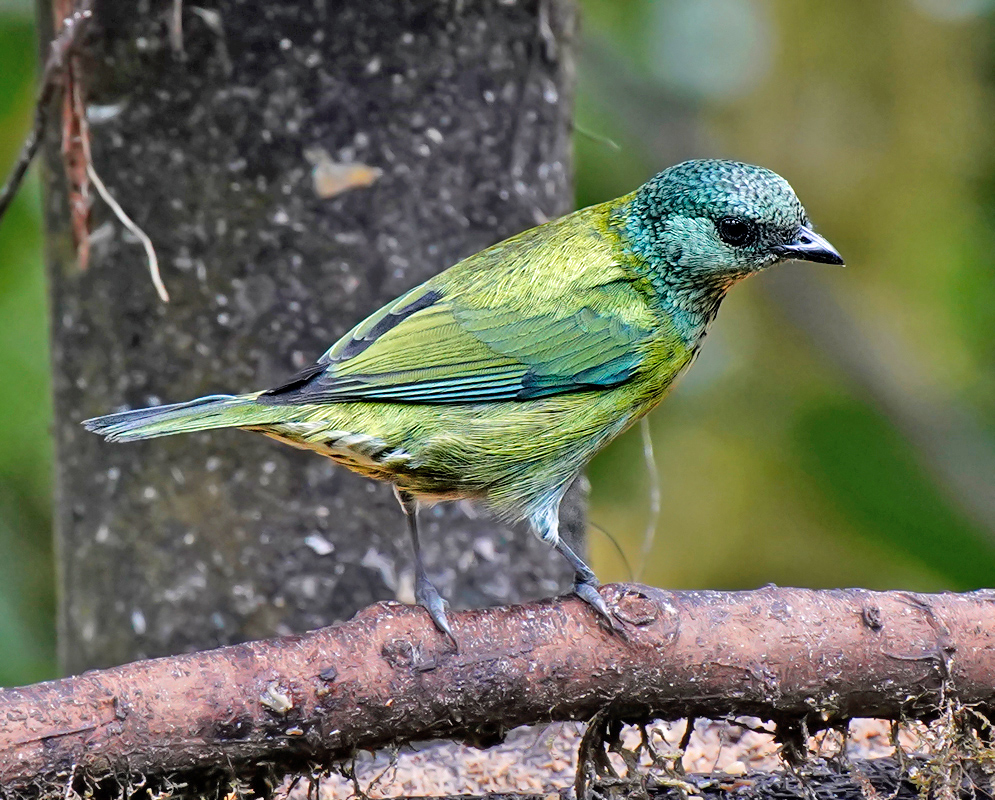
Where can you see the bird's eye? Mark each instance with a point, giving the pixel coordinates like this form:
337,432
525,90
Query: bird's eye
736,231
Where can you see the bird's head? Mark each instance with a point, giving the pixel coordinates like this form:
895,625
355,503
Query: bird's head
718,221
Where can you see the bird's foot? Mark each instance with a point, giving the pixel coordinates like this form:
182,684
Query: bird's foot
586,585
428,597
586,588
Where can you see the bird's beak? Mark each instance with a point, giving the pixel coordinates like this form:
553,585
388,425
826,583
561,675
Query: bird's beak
809,246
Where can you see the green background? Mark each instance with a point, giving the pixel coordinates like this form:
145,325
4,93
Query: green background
851,442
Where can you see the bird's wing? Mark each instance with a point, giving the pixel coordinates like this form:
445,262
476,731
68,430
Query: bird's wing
439,346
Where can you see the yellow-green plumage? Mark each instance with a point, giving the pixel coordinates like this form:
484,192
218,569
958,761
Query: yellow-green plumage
499,378
511,453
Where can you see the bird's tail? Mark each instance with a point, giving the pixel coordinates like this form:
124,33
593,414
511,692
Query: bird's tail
204,413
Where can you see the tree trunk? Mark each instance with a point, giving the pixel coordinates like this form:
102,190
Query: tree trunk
296,164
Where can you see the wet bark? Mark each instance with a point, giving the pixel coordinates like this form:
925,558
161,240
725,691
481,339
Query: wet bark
295,164
805,659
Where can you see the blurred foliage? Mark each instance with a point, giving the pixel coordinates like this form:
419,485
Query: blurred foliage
26,571
776,464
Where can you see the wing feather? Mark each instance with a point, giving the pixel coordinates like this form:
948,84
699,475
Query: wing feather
429,348
495,327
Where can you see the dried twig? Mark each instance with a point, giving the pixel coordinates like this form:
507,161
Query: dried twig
62,72
76,161
55,66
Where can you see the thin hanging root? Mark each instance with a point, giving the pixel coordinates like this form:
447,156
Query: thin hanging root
128,222
598,138
108,198
653,476
618,549
176,27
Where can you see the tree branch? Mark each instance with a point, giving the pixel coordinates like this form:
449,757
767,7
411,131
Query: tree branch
795,656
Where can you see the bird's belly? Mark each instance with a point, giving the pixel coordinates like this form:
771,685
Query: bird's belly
368,455
512,454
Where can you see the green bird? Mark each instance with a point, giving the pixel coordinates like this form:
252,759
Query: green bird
498,379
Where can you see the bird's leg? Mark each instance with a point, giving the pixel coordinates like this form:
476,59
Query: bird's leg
426,595
547,525
585,581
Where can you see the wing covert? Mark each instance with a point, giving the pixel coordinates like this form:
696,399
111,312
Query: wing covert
429,348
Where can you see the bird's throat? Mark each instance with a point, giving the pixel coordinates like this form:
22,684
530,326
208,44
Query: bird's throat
693,307
690,298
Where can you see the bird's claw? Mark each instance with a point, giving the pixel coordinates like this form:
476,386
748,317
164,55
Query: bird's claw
587,590
428,597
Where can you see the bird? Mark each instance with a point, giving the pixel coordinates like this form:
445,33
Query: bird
499,378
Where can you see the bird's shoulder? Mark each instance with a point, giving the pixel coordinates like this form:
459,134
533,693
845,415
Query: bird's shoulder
563,256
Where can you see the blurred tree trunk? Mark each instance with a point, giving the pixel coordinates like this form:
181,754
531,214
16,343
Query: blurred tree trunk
231,153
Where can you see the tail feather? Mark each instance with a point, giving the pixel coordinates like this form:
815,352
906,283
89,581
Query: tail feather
204,413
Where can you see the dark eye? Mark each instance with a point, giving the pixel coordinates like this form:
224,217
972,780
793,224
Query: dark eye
736,231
